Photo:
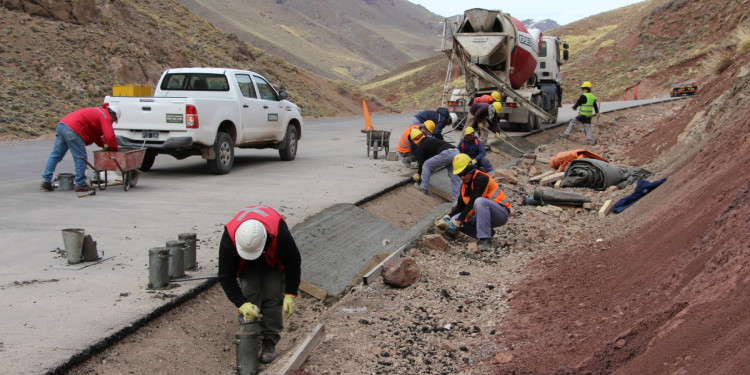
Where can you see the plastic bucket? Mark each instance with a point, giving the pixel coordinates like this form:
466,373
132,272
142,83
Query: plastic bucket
73,240
65,180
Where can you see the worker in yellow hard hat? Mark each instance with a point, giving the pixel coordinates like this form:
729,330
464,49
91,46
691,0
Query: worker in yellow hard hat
484,118
473,147
405,146
482,204
433,153
587,107
439,117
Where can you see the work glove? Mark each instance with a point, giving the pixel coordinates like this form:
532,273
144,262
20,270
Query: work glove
288,305
443,223
473,161
249,311
457,223
416,177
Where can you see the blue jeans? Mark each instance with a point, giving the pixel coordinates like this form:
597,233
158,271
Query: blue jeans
445,159
66,139
488,214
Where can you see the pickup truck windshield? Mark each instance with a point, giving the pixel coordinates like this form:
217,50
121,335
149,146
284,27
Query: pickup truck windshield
195,82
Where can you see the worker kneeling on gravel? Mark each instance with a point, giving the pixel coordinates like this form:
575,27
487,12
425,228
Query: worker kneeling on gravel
433,153
473,147
259,270
482,206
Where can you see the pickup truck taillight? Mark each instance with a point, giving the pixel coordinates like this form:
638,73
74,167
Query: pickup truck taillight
191,117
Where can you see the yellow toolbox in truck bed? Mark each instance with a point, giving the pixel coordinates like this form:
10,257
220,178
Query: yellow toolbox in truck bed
131,90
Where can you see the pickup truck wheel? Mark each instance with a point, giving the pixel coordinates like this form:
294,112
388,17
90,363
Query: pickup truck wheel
224,150
148,160
290,151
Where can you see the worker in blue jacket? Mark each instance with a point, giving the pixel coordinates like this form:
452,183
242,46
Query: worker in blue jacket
472,146
441,117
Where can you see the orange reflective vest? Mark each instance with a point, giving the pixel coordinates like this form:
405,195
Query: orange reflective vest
404,145
492,192
270,220
562,159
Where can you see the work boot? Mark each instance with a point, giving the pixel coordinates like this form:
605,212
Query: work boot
484,244
268,352
416,185
46,186
80,188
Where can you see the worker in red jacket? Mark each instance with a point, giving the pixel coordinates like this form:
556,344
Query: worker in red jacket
76,131
259,270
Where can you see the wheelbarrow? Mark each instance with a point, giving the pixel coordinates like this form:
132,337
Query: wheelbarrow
125,160
377,140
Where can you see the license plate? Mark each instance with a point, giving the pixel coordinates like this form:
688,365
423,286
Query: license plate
150,134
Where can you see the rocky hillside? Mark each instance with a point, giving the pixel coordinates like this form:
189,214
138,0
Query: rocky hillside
350,41
63,55
645,44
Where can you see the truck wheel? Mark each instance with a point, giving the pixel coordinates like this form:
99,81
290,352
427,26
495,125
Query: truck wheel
224,150
290,151
535,122
148,160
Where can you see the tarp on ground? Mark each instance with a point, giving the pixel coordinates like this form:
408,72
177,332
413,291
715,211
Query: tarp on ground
599,175
563,159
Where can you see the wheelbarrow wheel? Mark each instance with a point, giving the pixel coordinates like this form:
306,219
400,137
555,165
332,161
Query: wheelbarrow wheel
126,181
102,184
134,177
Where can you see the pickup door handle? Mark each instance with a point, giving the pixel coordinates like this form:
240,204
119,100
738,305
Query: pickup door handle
146,108
265,107
245,106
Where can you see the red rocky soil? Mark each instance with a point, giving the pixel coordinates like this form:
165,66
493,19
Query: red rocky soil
662,288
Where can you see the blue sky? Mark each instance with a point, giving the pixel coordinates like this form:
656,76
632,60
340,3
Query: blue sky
561,11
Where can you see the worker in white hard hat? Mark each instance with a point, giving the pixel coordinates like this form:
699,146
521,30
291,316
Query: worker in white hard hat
482,205
587,107
259,270
440,117
74,132
472,146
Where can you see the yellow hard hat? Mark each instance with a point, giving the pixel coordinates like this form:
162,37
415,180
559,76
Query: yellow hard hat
586,85
498,107
429,125
469,130
415,134
460,162
495,95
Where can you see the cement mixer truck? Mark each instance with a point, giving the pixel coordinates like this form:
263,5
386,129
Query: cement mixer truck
497,53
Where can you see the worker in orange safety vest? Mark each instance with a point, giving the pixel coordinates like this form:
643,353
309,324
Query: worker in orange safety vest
482,205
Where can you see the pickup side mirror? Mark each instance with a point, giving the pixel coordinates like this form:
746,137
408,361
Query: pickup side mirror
283,95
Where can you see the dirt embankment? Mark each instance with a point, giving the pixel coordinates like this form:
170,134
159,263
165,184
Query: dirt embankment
663,287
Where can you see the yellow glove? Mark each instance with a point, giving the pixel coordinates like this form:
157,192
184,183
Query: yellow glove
250,311
473,161
288,305
416,177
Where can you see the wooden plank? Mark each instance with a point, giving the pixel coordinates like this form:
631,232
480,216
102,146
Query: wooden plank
313,290
552,178
558,184
304,349
375,272
541,176
606,207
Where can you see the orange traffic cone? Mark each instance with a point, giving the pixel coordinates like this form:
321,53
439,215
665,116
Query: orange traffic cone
368,122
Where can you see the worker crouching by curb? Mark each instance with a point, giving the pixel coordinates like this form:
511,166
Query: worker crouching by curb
482,205
259,270
433,153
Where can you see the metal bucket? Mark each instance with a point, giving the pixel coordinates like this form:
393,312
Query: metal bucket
65,180
158,271
246,340
190,245
176,258
73,241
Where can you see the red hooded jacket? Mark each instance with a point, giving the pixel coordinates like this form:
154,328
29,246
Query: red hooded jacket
93,125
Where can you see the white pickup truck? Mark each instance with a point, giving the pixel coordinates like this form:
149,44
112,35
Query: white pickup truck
208,112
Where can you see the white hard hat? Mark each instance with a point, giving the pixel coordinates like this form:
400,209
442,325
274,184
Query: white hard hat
454,118
116,110
251,239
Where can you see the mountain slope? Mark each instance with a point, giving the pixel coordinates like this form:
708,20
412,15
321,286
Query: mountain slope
351,41
51,67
